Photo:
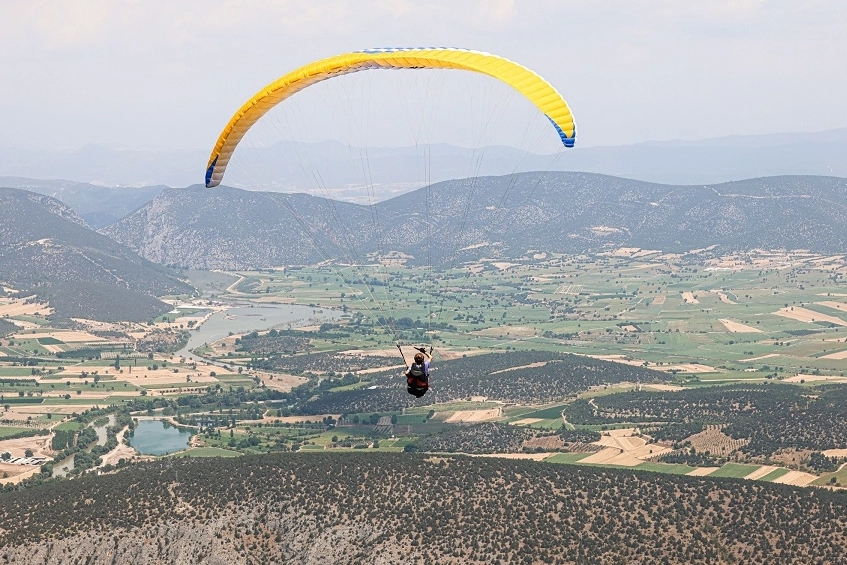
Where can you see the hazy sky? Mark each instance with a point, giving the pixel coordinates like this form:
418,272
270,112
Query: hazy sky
165,74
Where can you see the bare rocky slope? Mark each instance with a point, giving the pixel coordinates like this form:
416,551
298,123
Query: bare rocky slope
487,217
409,508
227,228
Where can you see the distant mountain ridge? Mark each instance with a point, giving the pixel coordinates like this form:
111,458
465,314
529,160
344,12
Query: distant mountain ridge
502,216
98,205
281,167
45,247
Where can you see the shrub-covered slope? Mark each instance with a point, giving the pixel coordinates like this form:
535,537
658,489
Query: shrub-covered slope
770,416
98,205
372,508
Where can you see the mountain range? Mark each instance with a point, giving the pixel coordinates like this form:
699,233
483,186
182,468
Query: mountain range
46,248
505,216
98,205
338,169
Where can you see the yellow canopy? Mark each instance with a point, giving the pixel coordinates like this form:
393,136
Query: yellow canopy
532,86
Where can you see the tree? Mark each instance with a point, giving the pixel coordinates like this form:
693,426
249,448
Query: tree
28,453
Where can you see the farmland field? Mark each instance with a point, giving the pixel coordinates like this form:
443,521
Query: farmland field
701,320
775,474
569,458
734,470
734,331
838,478
6,431
665,468
552,413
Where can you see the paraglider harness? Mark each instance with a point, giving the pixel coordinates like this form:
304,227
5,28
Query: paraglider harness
417,377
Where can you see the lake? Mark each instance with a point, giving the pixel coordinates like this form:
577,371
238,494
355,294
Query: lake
156,437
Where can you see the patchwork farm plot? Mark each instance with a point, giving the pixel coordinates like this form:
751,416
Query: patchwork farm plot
699,319
756,315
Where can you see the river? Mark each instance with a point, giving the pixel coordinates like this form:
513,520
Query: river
243,318
62,468
102,436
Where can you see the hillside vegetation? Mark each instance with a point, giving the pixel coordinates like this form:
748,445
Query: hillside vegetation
7,327
492,437
347,508
226,228
770,416
44,245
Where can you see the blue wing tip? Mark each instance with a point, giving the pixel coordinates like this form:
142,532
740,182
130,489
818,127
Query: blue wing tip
209,172
567,140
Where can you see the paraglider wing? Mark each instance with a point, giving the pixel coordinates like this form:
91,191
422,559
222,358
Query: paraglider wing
532,86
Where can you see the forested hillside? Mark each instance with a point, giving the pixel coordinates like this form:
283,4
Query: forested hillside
492,437
488,216
349,508
7,327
